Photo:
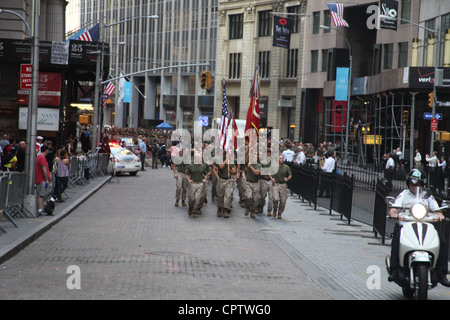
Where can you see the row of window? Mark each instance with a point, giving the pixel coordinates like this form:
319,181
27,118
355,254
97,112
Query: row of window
235,64
265,23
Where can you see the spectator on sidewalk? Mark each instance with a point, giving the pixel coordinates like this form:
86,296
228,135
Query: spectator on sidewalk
62,165
418,160
21,149
42,177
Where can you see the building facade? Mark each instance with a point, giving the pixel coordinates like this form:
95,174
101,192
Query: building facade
245,40
15,50
185,33
389,72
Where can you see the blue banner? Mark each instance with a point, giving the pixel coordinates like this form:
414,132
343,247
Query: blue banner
341,84
127,92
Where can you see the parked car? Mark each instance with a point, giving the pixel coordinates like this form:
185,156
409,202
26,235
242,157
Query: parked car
123,160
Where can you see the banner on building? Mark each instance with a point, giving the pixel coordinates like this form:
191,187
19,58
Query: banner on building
339,116
282,28
389,8
127,92
341,91
47,119
49,92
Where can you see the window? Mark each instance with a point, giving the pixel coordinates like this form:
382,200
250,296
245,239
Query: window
265,23
403,54
295,19
388,53
445,24
236,26
406,11
325,60
292,63
314,60
234,71
264,64
327,21
430,25
316,22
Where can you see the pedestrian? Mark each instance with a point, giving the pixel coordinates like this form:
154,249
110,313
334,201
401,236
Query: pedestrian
288,154
143,152
418,160
252,192
154,150
21,156
266,188
442,174
301,158
225,186
389,170
196,175
163,155
4,142
328,168
9,161
39,143
51,153
42,177
432,163
279,182
62,166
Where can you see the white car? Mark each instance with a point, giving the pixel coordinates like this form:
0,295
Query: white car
123,160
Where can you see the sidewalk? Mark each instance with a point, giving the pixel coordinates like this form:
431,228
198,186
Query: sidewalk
29,229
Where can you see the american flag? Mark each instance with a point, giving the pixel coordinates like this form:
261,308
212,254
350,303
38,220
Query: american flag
109,89
91,35
223,129
337,14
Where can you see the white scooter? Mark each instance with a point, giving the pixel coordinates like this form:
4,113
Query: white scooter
419,248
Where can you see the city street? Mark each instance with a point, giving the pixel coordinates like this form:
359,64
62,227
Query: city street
129,241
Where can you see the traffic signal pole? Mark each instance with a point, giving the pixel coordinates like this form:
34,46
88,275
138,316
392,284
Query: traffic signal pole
436,64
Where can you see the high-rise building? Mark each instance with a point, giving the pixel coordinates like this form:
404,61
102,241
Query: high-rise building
185,33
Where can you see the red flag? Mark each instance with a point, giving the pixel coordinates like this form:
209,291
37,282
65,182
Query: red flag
235,130
253,115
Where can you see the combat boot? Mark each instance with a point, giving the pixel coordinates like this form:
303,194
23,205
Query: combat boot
190,212
279,215
269,213
183,203
252,214
219,212
177,203
226,213
274,214
246,212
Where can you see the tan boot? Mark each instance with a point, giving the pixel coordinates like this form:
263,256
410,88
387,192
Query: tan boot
190,212
219,212
274,214
246,212
226,213
252,214
279,215
177,203
269,213
183,203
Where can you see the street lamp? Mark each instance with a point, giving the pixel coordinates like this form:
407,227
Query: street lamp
436,58
96,127
347,122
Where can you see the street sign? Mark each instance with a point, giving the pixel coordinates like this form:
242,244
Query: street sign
26,76
429,116
204,121
434,124
443,103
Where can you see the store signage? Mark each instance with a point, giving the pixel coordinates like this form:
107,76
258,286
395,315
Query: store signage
282,32
423,77
49,93
47,119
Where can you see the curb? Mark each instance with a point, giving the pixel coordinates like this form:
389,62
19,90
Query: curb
10,250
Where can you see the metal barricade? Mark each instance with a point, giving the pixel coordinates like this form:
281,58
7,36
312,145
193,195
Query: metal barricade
16,193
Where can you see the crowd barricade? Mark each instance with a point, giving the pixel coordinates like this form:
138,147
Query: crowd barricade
12,186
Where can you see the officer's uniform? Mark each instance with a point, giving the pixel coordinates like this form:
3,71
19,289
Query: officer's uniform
280,190
265,187
196,172
225,185
252,193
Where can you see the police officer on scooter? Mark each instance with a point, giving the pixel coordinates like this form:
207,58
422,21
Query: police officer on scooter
417,178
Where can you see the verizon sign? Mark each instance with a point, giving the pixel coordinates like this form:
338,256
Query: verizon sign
423,77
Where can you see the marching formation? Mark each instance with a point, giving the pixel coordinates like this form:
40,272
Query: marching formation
254,187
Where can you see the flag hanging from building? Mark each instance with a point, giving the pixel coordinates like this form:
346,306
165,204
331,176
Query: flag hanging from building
253,118
223,129
108,91
337,14
91,35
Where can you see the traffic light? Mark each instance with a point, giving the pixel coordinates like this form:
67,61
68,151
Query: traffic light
430,99
405,117
205,79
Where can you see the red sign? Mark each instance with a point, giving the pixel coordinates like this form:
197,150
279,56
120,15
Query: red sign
26,76
339,116
49,92
434,124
